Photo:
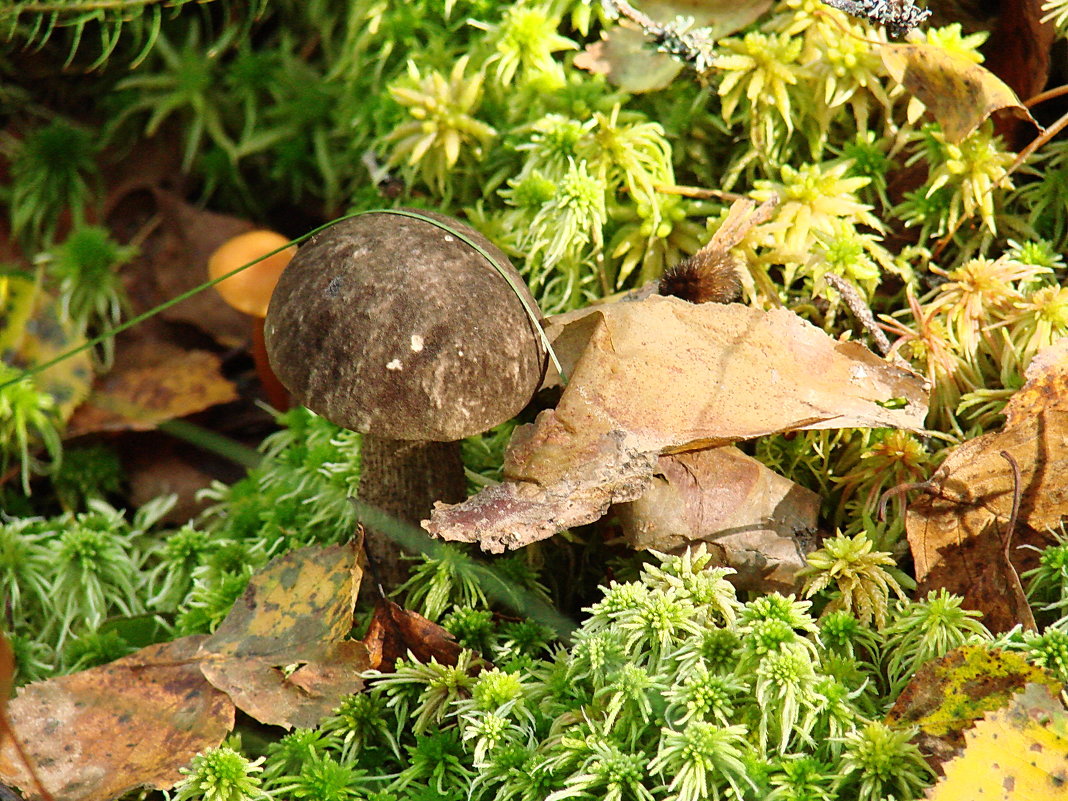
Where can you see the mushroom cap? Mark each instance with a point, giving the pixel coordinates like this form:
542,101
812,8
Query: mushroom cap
250,290
390,325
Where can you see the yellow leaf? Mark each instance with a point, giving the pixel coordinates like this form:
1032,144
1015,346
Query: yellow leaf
1017,753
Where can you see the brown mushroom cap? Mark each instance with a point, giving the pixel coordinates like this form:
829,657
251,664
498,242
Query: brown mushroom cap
390,325
250,290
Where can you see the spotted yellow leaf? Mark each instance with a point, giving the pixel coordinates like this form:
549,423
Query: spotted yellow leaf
1018,753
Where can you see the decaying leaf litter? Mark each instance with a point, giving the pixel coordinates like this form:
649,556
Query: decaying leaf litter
617,442
282,656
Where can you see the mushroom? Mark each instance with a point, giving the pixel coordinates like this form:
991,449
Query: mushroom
249,291
395,327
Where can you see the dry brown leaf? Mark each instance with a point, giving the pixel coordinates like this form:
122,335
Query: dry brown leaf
104,732
152,383
8,737
395,632
179,261
959,93
748,515
282,653
1017,753
662,375
956,533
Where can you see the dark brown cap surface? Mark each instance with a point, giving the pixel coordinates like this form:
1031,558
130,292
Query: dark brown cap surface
391,325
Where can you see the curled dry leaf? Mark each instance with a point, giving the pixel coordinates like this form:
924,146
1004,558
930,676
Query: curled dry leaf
659,376
948,695
104,732
1015,753
959,93
749,515
396,632
956,533
282,653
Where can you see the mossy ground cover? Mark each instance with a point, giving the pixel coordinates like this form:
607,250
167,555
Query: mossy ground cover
290,114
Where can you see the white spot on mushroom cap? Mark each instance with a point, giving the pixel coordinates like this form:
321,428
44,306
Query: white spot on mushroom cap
448,238
417,343
395,365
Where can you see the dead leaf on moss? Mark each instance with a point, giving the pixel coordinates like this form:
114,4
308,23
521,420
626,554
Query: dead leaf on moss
33,331
1017,753
959,93
659,376
948,695
956,532
177,261
625,56
748,515
133,723
150,384
282,654
395,632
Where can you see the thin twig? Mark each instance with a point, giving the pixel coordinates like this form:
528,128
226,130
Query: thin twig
1049,94
1036,143
1029,622
860,310
698,192
900,489
897,16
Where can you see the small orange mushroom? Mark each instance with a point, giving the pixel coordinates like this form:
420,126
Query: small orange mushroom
249,291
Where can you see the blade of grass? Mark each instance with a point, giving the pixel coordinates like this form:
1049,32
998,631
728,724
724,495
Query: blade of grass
493,584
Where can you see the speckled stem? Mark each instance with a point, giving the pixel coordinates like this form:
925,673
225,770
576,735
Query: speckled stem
404,479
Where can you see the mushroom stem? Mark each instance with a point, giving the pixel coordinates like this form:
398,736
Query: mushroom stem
276,394
403,479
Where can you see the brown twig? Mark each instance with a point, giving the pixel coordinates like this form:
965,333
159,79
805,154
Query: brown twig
860,310
698,192
1038,141
1029,621
900,489
1049,94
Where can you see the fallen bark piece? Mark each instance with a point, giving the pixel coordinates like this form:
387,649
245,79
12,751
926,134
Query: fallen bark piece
659,376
